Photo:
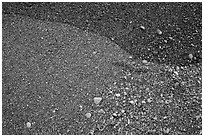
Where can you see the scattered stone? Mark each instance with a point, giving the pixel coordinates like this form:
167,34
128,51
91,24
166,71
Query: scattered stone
117,95
170,38
123,111
142,27
88,115
176,72
149,100
132,102
97,100
144,61
168,101
190,56
166,130
159,31
94,52
114,114
147,89
128,122
28,124
155,118
143,102
101,111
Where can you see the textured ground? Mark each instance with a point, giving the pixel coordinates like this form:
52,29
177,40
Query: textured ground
160,32
52,72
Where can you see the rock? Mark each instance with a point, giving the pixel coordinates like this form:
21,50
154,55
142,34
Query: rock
190,56
117,94
166,130
132,102
88,115
97,100
144,61
28,124
159,31
149,100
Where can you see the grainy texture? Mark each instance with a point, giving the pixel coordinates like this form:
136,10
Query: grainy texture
133,26
58,56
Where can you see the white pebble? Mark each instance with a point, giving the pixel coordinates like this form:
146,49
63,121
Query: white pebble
149,100
159,31
175,72
123,111
190,56
94,52
28,124
88,115
144,61
166,130
117,95
114,114
142,27
101,111
97,100
132,102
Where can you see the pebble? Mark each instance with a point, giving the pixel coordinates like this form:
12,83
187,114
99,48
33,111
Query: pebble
143,102
142,27
123,111
176,72
117,95
132,102
159,31
97,100
28,124
190,56
88,115
144,61
101,111
166,130
114,114
149,100
168,101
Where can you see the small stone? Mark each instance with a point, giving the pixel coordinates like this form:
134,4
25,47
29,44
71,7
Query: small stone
132,102
117,95
142,27
144,61
190,56
166,130
114,114
159,31
101,111
149,100
168,101
155,118
88,115
94,52
28,124
176,72
123,111
170,38
97,100
147,89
